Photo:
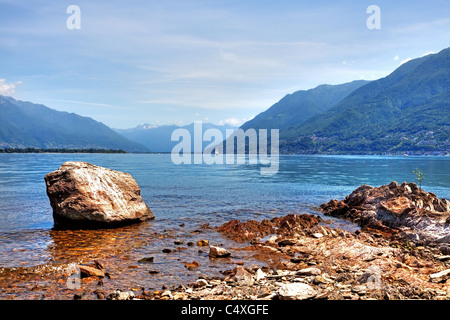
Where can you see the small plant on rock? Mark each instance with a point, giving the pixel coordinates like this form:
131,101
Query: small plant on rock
420,176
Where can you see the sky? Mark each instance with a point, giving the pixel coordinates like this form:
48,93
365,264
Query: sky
221,61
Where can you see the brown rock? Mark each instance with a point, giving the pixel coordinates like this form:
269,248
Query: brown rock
203,243
421,215
90,271
191,266
287,225
244,231
85,195
243,277
218,252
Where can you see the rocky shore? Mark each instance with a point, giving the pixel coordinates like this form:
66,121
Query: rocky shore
306,259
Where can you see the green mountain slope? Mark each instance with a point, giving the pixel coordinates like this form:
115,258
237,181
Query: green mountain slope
299,106
28,125
407,111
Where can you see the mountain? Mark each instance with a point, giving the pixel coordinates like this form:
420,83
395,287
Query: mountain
29,125
297,108
406,112
294,109
158,138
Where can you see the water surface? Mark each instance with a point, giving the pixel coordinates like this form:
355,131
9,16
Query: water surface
183,198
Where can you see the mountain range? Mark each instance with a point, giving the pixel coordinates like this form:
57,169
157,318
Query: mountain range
29,125
407,111
158,138
294,109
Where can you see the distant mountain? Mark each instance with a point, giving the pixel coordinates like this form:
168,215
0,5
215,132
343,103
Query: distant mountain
406,112
158,138
29,125
299,106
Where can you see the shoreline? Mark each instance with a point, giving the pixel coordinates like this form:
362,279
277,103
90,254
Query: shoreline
300,259
291,257
309,261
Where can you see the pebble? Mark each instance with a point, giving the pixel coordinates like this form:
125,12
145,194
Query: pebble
90,271
359,289
203,243
317,235
200,283
146,260
119,295
242,276
295,291
260,275
167,294
218,252
309,271
440,276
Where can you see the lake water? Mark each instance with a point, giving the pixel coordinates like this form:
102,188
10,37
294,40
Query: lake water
183,198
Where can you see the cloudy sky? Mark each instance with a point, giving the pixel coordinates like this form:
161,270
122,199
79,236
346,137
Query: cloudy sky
179,61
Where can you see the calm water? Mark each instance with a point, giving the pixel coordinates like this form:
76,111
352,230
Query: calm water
183,198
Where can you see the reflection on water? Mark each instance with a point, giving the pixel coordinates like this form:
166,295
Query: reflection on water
70,245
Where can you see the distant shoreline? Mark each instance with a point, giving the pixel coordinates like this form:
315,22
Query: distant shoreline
120,151
59,150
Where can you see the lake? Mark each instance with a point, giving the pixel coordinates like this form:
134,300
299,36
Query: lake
184,199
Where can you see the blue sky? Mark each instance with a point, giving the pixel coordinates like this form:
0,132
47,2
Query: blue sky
164,62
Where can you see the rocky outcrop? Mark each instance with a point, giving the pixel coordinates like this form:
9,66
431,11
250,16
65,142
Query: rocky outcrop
89,196
253,230
404,209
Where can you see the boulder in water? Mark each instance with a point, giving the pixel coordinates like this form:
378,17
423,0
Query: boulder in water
89,196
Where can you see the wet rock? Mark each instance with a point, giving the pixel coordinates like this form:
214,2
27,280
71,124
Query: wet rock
218,252
295,291
191,266
146,260
83,195
290,224
203,243
119,295
244,231
87,271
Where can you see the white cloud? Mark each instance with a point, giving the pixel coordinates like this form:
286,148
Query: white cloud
232,122
409,59
429,52
405,61
396,58
8,89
